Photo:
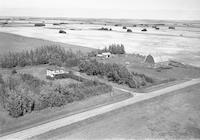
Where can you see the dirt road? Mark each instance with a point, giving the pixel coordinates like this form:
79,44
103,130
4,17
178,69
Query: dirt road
28,133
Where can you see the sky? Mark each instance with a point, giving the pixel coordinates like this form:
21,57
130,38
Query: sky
135,9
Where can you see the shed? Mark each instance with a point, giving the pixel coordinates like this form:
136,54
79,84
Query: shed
52,72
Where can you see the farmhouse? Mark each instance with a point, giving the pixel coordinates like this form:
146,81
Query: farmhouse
104,55
53,72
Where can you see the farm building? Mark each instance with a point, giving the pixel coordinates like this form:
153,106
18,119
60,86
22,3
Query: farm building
56,71
149,60
104,55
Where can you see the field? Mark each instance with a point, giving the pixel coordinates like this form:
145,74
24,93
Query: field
180,43
172,116
17,43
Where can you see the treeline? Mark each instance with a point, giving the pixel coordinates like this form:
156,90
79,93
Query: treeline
113,49
114,72
53,55
23,93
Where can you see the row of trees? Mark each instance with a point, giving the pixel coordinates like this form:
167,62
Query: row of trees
113,49
23,93
53,55
114,72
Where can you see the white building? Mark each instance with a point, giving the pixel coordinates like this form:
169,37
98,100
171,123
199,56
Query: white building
104,55
53,72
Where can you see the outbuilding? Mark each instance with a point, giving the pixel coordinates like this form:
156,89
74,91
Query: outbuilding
149,60
53,72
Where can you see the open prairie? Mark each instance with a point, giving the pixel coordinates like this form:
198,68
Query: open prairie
181,43
16,43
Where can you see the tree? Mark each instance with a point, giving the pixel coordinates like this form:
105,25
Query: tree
1,79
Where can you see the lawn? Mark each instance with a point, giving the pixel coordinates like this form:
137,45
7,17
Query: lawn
171,116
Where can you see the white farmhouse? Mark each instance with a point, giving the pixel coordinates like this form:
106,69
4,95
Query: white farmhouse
53,72
104,55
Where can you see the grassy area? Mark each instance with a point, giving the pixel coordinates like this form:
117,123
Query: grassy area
171,116
136,64
17,43
177,73
161,86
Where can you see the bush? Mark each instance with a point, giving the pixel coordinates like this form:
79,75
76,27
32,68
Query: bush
62,32
144,30
41,103
171,27
18,105
50,78
1,79
14,71
39,24
129,30
56,99
104,28
32,81
56,23
131,83
77,78
61,76
72,62
146,78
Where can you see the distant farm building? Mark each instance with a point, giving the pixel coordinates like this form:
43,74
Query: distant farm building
127,63
54,72
39,24
104,55
62,32
171,27
149,60
144,30
129,30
